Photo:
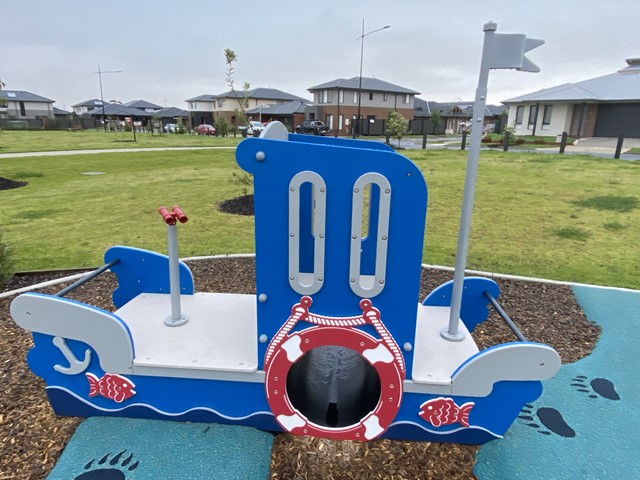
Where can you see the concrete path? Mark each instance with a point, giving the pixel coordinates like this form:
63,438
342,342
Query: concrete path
106,150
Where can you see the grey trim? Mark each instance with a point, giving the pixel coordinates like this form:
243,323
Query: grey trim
307,284
364,285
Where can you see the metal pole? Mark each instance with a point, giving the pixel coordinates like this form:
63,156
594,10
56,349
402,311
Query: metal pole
176,319
619,147
104,123
563,142
452,333
86,278
356,132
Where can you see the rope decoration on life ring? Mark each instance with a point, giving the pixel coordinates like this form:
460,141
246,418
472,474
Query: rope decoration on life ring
382,353
370,315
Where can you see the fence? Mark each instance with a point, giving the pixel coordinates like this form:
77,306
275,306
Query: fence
58,123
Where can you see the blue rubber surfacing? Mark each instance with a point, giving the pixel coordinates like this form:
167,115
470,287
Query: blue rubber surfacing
128,449
586,423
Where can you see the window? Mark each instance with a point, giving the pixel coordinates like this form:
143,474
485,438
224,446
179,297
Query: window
221,103
22,109
340,121
214,104
546,118
519,114
370,95
407,98
324,96
341,96
533,113
193,106
328,120
355,96
385,96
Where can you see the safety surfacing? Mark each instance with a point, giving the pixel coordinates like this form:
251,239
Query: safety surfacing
105,448
585,424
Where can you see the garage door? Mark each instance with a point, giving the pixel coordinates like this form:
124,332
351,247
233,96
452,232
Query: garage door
618,118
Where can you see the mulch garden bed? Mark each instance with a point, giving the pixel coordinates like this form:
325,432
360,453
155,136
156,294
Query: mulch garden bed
8,184
32,437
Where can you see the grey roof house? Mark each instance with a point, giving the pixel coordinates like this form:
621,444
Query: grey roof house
21,105
605,106
84,107
336,102
457,115
143,105
206,108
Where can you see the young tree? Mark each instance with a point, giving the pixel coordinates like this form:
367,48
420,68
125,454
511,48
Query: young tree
396,125
436,120
231,57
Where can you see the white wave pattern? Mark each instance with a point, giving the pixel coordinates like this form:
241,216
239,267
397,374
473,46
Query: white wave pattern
447,432
157,410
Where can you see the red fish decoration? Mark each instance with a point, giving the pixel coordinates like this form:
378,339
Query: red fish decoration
111,386
444,411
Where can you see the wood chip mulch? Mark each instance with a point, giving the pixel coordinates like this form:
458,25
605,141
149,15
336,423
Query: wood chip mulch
32,438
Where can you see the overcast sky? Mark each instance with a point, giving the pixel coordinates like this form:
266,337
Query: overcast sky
172,50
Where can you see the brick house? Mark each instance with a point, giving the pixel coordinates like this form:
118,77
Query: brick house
336,102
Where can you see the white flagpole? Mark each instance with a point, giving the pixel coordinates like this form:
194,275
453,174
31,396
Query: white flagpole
499,51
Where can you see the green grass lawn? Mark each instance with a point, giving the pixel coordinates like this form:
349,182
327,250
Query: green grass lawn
574,218
50,140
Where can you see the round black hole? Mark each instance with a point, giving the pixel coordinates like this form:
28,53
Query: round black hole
333,386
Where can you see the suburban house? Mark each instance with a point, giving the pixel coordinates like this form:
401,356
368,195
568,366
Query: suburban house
606,106
21,105
84,107
455,117
336,103
208,108
290,113
143,105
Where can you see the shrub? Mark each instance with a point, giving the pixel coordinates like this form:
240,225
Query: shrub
6,262
222,126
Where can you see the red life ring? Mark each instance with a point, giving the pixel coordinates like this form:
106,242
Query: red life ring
375,351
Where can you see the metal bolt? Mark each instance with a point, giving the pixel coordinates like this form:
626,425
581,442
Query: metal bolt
407,347
260,156
292,234
387,191
478,120
293,189
320,279
291,278
352,280
384,238
356,190
381,282
262,297
275,392
263,338
482,98
321,235
322,189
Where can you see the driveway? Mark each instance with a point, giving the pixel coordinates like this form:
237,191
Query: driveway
600,145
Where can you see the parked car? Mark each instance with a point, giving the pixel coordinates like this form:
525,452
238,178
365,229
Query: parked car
205,129
170,128
254,128
312,127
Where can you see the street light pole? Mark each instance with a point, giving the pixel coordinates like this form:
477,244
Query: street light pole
356,131
100,72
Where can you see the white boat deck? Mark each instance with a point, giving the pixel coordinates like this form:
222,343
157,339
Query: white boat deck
435,359
221,333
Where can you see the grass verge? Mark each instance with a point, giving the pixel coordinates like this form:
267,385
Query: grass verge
530,217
